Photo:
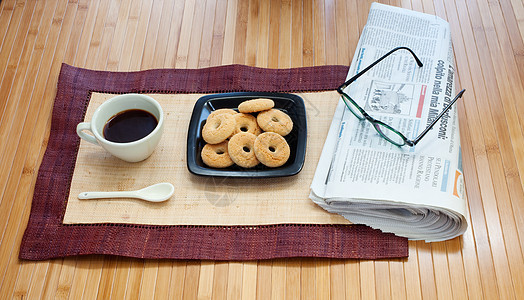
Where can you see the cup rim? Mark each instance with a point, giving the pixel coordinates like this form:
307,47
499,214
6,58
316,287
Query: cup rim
150,99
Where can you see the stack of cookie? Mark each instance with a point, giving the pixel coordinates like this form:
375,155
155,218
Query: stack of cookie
245,140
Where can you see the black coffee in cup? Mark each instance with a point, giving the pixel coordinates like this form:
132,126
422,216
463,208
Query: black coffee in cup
129,126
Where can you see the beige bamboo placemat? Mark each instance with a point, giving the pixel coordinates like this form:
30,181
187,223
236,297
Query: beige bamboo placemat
197,200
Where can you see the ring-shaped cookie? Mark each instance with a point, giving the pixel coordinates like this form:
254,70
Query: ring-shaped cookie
256,105
246,123
218,128
241,150
274,120
217,155
271,149
220,111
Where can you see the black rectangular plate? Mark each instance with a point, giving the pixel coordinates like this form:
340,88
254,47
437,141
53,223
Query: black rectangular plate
291,104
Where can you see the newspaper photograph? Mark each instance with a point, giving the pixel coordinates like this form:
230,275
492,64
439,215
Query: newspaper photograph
416,192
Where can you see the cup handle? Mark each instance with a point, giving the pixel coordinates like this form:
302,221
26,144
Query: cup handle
80,131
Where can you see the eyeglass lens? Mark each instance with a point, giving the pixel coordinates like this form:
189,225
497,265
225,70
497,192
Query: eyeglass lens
389,134
352,106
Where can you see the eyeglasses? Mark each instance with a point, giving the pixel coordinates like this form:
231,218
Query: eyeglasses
389,133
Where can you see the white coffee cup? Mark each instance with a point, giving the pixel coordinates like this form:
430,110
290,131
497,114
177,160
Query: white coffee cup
131,151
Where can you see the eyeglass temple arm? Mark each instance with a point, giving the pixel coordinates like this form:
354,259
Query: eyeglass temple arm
421,135
343,86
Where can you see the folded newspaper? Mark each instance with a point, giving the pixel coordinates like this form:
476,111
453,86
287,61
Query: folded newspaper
415,192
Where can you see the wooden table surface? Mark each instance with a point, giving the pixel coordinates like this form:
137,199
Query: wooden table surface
37,36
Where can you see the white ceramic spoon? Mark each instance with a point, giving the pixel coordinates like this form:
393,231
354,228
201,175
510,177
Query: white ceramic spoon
155,193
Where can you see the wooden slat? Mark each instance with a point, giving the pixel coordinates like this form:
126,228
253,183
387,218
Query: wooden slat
185,34
308,35
96,37
140,35
10,128
342,33
220,280
240,40
292,279
367,280
297,35
252,32
478,222
196,35
131,29
120,279
412,275
36,37
136,272
163,281
352,280
263,34
442,271
7,46
206,44
496,233
426,270
508,111
307,279
119,35
274,33
157,12
397,280
5,18
505,207
249,281
205,282
284,35
382,280
178,272
87,33
149,277
336,280
9,63
322,276
218,33
330,34
319,32
192,274
19,202
278,274
173,35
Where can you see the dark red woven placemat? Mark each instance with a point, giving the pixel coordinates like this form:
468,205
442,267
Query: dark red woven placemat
46,237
